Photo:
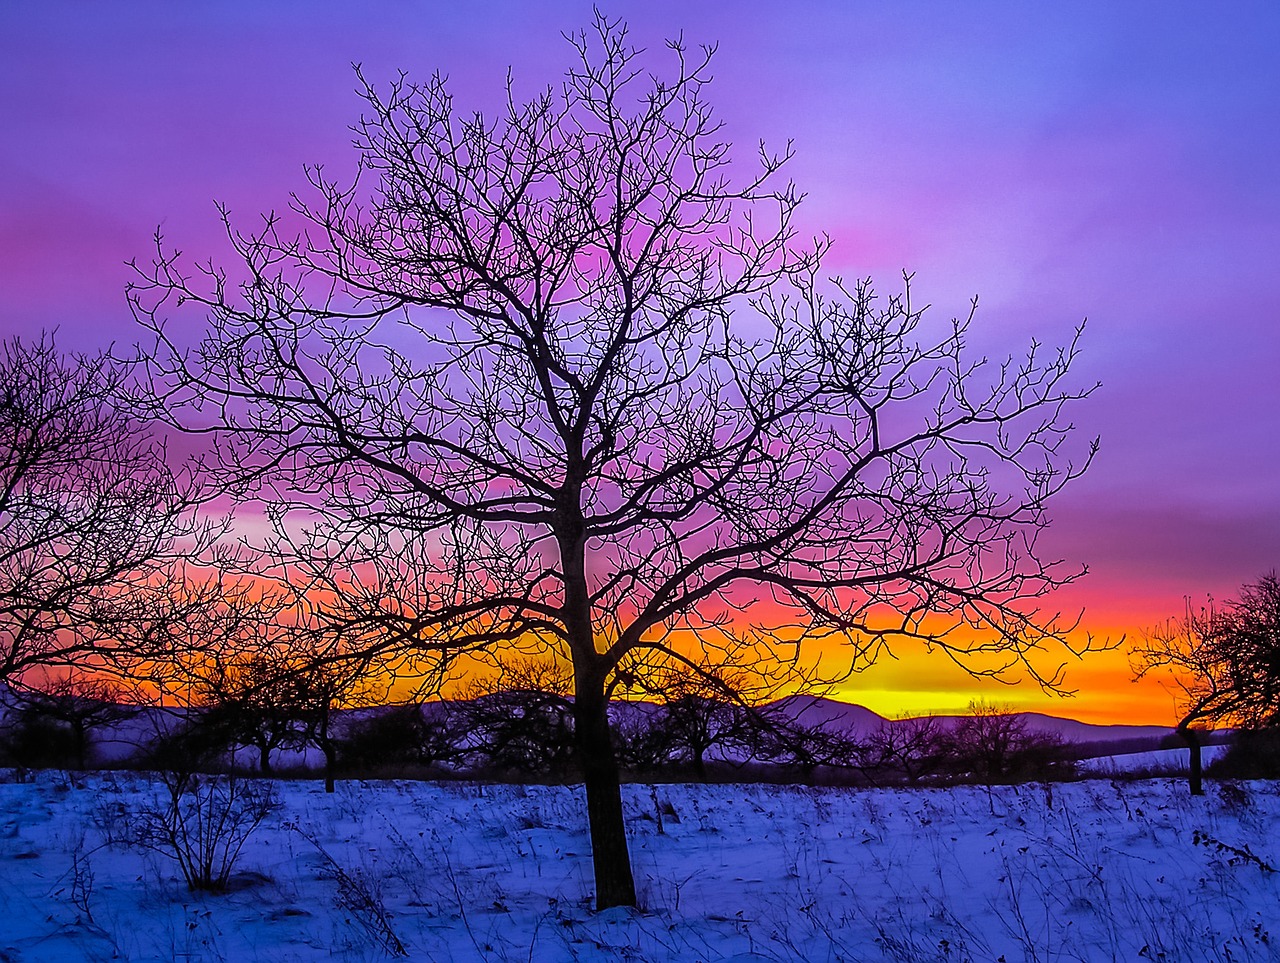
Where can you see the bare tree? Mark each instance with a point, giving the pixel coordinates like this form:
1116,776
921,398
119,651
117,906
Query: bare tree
253,701
522,720
915,747
639,745
564,377
205,640
77,702
698,717
1253,635
249,659
1224,664
219,643
717,710
90,510
995,744
322,685
412,735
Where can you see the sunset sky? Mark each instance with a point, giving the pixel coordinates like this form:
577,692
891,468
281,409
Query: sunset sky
1110,161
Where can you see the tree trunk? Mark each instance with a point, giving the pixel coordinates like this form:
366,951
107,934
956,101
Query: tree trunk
264,758
611,861
82,746
1196,775
610,857
326,746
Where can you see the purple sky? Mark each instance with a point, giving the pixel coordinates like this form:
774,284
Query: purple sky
1114,161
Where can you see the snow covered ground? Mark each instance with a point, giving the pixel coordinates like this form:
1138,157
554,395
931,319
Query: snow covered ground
1158,761
1096,870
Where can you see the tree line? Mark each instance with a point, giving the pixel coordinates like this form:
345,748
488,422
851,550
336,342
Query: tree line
516,730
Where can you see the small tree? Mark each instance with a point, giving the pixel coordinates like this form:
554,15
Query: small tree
1252,633
523,721
701,711
1224,663
805,747
77,704
566,375
318,689
253,702
915,747
640,745
250,658
30,740
995,744
248,671
411,734
201,818
219,645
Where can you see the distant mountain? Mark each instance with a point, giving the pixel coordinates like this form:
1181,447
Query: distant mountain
1080,732
814,711
1072,731
858,721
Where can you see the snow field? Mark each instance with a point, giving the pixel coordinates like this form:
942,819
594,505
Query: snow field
1095,870
1161,762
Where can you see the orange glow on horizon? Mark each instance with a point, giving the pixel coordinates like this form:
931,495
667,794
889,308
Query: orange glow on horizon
1097,687
912,681
909,680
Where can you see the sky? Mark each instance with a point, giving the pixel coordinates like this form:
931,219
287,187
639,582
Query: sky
1114,162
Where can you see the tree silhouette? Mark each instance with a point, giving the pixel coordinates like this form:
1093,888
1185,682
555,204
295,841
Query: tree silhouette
994,744
91,513
916,747
565,378
722,712
252,701
407,735
522,720
75,703
1224,663
1253,635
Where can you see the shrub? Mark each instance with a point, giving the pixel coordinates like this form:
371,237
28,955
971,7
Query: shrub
202,823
